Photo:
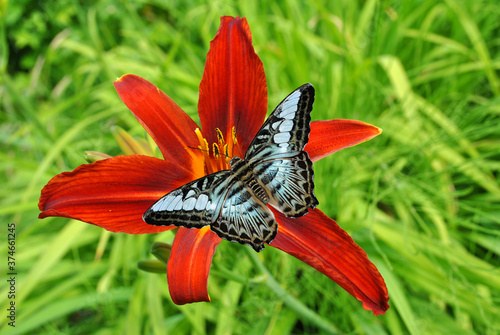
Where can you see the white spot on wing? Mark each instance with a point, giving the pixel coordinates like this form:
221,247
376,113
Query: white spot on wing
289,107
158,206
281,137
189,204
205,183
201,203
178,206
286,125
174,202
284,146
190,193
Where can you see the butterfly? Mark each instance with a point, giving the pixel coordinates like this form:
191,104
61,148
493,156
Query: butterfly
275,170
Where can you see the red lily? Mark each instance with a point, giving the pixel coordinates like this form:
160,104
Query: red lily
233,93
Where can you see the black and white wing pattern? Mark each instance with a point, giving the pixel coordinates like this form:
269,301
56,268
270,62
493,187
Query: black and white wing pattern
194,205
290,184
222,201
276,154
286,130
245,219
275,170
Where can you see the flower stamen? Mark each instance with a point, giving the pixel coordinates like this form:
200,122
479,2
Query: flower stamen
218,158
220,137
206,152
222,151
236,150
226,154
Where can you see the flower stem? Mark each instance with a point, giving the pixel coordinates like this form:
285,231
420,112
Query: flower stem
290,301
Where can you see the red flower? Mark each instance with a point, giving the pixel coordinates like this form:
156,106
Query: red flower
114,193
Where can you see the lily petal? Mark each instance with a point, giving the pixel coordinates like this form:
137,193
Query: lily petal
327,137
319,241
112,193
189,264
170,127
233,90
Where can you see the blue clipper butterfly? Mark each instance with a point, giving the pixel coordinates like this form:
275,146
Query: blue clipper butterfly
275,170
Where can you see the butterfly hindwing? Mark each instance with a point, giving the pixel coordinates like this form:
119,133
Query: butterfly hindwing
287,129
193,205
290,183
245,219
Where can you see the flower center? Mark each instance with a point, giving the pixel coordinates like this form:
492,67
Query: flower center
217,156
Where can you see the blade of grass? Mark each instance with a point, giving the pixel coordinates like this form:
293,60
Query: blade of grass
478,43
60,308
58,147
288,299
60,245
399,298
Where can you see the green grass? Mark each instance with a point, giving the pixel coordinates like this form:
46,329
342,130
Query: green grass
422,199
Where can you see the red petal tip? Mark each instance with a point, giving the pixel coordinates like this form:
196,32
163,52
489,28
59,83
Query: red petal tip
112,193
318,241
189,264
170,127
233,90
327,137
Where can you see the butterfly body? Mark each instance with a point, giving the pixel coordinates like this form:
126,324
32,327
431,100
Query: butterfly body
242,170
274,171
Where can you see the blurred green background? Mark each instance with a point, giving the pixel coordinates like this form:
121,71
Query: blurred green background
422,199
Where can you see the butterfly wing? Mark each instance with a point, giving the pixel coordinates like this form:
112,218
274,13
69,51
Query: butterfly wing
245,219
194,205
286,130
277,157
290,183
228,205
223,203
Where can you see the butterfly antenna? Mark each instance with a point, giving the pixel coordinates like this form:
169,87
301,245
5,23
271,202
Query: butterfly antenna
203,150
208,151
234,130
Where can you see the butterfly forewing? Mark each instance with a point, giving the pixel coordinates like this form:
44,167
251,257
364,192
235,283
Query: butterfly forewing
193,205
227,205
277,157
287,129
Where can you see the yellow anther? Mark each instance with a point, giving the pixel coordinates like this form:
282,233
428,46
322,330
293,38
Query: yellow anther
203,142
220,160
235,139
226,153
220,137
204,148
197,131
216,151
222,151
